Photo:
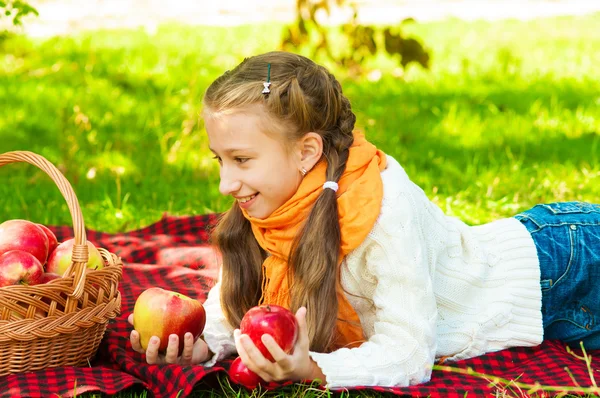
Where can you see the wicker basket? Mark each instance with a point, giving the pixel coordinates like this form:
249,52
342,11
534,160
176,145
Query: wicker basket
59,323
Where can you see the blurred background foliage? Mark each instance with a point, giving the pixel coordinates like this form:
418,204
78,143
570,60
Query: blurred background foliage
359,42
504,115
15,11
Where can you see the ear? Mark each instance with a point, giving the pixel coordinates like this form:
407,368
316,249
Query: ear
310,150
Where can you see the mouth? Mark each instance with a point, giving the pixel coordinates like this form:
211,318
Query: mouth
246,199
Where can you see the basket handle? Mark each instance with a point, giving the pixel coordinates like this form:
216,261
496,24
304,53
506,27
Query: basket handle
80,250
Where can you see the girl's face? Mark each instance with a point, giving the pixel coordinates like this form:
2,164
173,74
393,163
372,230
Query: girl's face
256,169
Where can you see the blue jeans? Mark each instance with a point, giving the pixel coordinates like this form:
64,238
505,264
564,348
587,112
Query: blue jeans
567,238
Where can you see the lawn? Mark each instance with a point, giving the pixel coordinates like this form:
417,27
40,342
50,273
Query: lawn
507,117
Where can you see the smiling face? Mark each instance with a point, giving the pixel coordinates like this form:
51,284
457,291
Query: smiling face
255,166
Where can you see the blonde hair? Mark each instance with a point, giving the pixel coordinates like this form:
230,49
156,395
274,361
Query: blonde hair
304,97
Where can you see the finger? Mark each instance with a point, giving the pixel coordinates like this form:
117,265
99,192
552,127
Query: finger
283,361
172,349
302,342
152,356
134,337
188,349
256,357
239,347
130,318
242,349
278,354
200,351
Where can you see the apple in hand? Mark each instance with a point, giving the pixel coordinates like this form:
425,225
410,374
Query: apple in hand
240,374
52,241
26,236
279,322
18,267
60,259
159,312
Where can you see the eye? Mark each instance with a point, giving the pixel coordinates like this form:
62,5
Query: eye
241,160
218,159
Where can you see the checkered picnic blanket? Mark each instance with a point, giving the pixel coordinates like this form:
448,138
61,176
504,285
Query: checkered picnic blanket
173,254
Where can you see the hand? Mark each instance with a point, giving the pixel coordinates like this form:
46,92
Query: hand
193,352
295,366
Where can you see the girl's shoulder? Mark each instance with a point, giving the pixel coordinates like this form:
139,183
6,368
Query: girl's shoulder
397,229
403,201
393,170
395,180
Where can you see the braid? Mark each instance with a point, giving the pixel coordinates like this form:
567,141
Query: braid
342,139
314,256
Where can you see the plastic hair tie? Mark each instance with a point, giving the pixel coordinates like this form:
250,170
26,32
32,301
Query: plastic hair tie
331,185
266,84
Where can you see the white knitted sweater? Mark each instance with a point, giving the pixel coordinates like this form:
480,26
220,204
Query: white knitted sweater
428,286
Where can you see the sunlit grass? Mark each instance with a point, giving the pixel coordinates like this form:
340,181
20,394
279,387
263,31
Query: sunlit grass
508,116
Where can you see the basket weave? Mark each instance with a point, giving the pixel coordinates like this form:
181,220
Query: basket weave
59,323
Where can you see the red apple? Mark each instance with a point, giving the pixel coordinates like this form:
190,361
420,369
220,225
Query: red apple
52,241
159,312
240,374
60,259
24,235
20,268
274,320
48,276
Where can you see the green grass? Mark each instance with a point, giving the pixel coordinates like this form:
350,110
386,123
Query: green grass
508,116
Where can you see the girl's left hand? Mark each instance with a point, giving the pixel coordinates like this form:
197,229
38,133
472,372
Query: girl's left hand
295,366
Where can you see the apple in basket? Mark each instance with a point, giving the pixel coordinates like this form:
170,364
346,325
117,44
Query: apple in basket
60,259
24,235
159,312
279,322
48,276
52,241
18,267
240,374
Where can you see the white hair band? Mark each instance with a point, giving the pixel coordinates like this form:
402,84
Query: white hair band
331,185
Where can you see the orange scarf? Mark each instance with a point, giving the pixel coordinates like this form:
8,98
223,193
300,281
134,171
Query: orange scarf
359,203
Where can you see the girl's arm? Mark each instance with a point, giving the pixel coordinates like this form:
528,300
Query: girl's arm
218,334
402,349
391,268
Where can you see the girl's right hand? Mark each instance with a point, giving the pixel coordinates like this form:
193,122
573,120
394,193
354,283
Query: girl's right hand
193,352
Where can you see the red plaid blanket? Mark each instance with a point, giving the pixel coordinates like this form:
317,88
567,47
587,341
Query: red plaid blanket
173,254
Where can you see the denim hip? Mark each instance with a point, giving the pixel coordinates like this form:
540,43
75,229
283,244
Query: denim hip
567,239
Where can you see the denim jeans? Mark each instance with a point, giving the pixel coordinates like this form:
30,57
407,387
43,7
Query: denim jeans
567,238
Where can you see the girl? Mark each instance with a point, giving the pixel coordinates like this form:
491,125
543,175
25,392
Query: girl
382,282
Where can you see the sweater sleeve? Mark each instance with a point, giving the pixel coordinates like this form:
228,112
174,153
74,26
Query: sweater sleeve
218,333
401,349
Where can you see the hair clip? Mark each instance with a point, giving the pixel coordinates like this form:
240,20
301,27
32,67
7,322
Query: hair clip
266,84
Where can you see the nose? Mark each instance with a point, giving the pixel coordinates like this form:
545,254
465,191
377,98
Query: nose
229,183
